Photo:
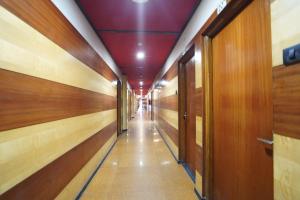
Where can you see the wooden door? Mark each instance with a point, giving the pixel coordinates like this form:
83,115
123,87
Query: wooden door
242,107
190,139
119,107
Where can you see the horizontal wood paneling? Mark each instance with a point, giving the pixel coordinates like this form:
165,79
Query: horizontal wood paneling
199,101
50,180
199,159
286,100
170,116
46,18
25,50
76,184
169,102
37,101
170,89
23,151
285,27
286,168
171,73
170,130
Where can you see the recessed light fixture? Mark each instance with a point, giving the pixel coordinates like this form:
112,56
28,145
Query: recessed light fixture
139,1
140,44
140,55
141,83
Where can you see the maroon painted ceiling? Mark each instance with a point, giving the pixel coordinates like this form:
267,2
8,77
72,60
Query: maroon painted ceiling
126,27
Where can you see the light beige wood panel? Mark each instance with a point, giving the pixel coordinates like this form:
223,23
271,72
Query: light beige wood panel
285,15
77,183
198,69
198,183
25,50
199,131
170,88
173,147
286,168
24,151
170,116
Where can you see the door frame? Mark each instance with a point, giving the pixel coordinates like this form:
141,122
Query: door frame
215,23
182,101
119,107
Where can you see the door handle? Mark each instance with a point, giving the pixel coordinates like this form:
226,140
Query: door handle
265,141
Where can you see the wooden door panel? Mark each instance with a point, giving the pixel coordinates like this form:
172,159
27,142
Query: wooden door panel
191,119
242,107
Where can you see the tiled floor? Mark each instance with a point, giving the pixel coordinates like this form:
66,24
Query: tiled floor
140,166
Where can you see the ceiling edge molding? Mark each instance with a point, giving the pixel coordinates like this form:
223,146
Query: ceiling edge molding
74,15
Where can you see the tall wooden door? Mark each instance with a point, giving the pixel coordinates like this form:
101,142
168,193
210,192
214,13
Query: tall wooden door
242,107
190,138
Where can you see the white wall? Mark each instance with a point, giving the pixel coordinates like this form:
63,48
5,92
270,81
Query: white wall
72,12
203,12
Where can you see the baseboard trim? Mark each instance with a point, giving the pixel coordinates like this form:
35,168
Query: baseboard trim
94,173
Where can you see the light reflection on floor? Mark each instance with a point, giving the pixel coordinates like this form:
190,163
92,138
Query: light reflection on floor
140,167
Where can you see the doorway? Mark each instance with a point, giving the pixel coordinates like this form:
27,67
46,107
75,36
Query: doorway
238,56
187,115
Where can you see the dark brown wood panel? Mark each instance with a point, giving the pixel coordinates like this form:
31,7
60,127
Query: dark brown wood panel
168,129
47,19
242,106
199,159
199,101
286,100
190,139
171,73
169,102
48,182
37,100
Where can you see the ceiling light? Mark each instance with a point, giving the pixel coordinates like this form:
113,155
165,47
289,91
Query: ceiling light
140,55
141,83
140,1
140,44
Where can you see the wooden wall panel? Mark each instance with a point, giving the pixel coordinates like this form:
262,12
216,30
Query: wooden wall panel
24,151
37,101
169,102
286,100
199,101
25,50
75,185
170,130
48,182
56,93
46,18
199,159
165,105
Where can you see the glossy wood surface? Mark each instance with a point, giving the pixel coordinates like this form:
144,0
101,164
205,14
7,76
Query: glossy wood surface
37,101
242,107
286,100
190,138
50,180
170,130
169,102
198,101
46,18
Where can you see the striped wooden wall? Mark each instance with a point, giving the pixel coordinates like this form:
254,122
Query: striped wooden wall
57,104
286,101
165,106
199,113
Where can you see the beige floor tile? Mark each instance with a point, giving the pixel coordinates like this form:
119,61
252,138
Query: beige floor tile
140,166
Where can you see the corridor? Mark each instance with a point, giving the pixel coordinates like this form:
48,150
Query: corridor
149,99
140,166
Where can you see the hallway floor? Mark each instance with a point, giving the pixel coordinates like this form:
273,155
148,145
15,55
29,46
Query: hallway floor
140,166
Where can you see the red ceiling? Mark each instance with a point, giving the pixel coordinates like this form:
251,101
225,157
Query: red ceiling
123,24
